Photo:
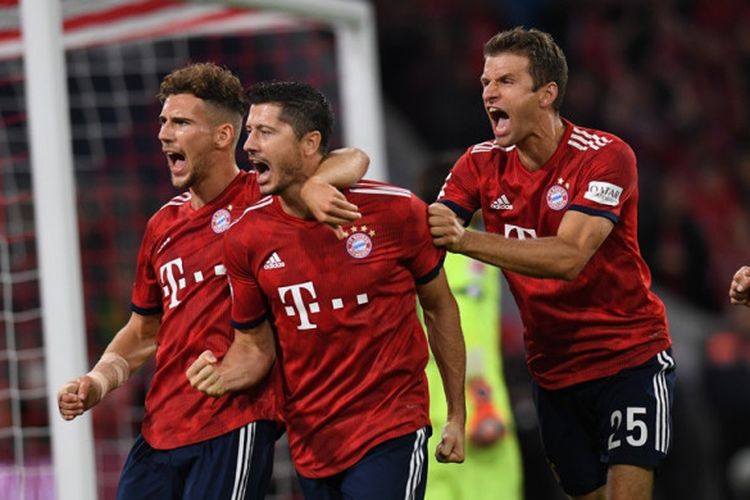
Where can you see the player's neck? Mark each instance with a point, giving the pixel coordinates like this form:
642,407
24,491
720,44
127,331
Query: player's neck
291,198
538,147
213,185
292,204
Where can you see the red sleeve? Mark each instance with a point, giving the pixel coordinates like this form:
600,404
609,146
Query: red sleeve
146,298
461,189
608,181
424,259
248,302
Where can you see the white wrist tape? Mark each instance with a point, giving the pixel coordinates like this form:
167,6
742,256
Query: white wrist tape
110,372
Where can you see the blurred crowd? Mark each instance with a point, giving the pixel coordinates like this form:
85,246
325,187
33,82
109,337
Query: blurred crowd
672,78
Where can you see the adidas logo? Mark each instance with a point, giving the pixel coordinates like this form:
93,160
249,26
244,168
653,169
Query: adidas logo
502,203
274,262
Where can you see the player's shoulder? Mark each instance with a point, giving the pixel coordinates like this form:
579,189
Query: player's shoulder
378,190
250,212
371,195
486,155
487,148
594,142
171,210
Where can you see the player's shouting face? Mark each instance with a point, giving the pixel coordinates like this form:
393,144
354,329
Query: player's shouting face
513,104
274,149
188,133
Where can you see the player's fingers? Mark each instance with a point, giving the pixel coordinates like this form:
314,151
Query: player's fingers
340,217
341,202
338,231
443,451
438,209
206,358
200,378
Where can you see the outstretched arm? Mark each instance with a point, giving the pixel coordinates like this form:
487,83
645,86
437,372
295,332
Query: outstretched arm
447,344
247,361
131,347
339,169
562,256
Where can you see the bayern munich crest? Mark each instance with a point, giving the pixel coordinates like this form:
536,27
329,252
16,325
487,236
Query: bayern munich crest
557,197
221,220
359,242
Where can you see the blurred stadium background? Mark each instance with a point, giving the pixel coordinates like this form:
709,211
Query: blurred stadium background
672,77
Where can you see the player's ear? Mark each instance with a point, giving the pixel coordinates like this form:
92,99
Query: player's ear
224,136
548,94
311,142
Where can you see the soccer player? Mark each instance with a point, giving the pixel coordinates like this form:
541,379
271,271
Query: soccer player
559,203
351,350
192,446
739,288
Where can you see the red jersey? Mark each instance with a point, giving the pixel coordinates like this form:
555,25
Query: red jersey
181,275
607,318
352,351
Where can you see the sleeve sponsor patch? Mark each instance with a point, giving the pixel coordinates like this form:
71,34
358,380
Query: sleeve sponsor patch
604,193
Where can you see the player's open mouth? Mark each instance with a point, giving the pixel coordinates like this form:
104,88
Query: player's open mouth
176,161
500,120
497,114
263,169
259,166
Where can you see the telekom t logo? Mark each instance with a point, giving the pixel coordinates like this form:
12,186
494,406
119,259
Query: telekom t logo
304,302
173,283
299,303
173,279
521,232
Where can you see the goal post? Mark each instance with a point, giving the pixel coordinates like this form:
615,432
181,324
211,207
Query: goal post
64,329
71,126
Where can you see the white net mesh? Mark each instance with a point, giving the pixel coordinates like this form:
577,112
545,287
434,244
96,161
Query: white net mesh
121,179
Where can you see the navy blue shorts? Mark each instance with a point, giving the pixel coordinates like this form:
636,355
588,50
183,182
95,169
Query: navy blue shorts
395,469
236,465
622,419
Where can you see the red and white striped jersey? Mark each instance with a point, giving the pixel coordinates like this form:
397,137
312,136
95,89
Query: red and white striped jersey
352,350
607,318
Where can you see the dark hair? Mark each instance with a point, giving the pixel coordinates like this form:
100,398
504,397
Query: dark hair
303,107
546,59
209,82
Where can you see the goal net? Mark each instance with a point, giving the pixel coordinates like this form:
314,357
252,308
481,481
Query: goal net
117,51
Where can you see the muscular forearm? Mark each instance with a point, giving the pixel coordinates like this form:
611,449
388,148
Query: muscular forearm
343,167
447,345
136,341
541,258
244,366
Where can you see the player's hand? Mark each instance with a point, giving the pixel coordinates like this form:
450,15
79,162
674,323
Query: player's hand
327,204
451,445
445,226
739,288
204,375
77,396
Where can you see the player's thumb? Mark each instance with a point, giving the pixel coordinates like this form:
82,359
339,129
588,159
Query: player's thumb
84,384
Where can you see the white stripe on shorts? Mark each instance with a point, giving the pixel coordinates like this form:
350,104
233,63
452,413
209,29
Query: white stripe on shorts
244,461
416,464
661,441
